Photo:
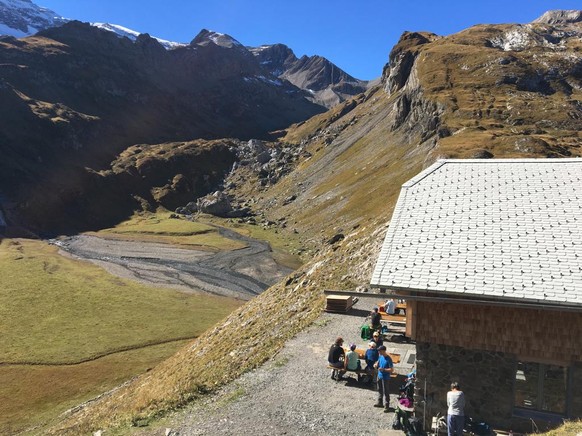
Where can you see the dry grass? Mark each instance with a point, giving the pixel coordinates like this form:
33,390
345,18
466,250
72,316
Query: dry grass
33,394
569,428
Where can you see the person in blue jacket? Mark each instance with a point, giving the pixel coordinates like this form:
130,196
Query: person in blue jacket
371,356
385,367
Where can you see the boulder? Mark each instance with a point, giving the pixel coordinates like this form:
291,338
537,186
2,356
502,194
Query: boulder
216,204
336,238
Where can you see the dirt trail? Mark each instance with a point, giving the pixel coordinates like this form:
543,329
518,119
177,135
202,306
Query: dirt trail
240,274
292,394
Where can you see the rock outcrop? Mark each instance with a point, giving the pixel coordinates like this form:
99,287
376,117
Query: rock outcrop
560,17
327,83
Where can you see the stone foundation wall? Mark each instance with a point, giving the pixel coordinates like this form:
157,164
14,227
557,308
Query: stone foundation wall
576,392
486,378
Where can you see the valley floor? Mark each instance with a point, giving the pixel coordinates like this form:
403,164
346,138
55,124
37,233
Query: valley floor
293,393
241,273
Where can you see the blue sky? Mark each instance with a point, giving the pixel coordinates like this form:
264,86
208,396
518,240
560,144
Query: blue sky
355,35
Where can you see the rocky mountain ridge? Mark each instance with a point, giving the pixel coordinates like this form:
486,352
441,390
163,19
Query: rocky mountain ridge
328,84
75,96
20,18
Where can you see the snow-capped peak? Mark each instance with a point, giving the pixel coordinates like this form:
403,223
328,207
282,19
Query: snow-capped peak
220,39
132,34
21,18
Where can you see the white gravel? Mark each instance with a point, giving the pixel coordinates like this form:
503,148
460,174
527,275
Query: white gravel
293,393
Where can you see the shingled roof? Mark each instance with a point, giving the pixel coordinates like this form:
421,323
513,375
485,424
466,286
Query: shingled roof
502,229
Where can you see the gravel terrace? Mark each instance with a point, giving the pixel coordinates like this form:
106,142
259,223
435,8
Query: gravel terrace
293,393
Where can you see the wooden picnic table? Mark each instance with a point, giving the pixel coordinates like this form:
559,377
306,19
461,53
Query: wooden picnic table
362,355
400,307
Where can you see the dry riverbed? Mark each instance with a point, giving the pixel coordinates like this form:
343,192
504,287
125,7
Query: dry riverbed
240,274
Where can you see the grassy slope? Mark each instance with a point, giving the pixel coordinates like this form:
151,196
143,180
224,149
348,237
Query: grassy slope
33,394
349,185
55,310
159,227
286,246
568,429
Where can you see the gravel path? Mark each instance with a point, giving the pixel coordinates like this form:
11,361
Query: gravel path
293,393
241,273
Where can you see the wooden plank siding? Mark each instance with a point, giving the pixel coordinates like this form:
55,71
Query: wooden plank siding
543,335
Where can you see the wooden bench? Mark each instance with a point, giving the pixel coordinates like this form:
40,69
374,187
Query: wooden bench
398,319
361,354
359,372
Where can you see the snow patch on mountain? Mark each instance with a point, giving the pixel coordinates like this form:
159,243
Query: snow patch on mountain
132,34
21,18
206,37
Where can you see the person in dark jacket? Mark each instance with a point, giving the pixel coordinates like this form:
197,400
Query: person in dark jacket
336,358
375,318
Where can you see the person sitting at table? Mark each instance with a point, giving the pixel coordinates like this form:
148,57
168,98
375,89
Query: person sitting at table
336,358
352,359
390,307
371,356
377,338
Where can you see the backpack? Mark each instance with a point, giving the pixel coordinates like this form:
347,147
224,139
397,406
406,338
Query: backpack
366,332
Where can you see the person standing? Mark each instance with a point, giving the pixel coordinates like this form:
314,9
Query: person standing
456,412
375,320
385,367
371,356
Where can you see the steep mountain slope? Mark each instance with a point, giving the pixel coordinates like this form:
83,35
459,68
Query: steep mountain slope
465,95
23,18
20,18
328,84
76,96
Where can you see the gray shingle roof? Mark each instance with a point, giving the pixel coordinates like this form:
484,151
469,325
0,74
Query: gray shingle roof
510,229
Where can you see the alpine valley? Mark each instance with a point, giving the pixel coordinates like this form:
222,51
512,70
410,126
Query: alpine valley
95,127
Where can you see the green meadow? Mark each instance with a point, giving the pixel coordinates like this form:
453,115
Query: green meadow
159,227
71,331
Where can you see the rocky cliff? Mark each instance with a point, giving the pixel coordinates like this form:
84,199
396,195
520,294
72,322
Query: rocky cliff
327,83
